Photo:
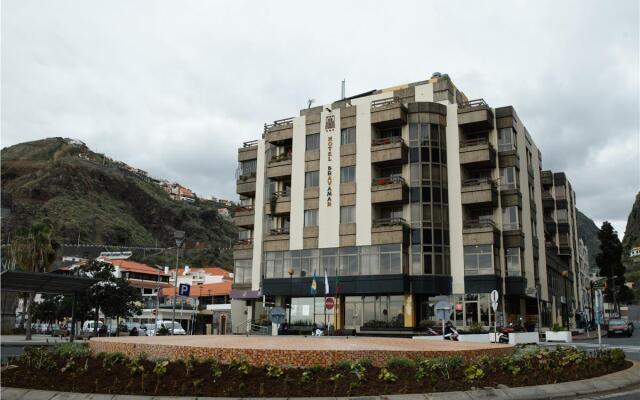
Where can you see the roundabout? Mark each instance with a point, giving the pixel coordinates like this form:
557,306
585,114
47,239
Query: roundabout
294,351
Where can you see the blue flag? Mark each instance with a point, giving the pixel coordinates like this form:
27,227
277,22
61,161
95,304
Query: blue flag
314,286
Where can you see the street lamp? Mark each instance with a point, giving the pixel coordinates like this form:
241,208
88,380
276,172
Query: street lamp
565,274
179,237
290,271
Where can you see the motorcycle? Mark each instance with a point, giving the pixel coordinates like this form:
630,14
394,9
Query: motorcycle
450,333
503,334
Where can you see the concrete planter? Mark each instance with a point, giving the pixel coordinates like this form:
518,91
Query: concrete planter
469,337
524,338
561,336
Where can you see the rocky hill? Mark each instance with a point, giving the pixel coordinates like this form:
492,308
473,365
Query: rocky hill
92,199
632,231
588,232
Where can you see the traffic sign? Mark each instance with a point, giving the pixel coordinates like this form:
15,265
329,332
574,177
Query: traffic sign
329,302
494,300
184,289
443,309
277,315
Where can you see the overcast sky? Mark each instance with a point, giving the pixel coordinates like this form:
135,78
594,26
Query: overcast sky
175,87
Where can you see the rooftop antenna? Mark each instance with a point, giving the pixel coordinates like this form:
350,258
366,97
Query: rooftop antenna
310,102
344,81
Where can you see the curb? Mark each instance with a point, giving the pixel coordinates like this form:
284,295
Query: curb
605,383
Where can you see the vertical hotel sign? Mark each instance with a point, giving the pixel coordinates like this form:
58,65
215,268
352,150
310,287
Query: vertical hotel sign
329,128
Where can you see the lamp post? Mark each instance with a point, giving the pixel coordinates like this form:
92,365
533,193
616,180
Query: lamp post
179,237
290,271
565,274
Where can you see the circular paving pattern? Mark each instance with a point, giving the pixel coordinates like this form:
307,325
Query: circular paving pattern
297,351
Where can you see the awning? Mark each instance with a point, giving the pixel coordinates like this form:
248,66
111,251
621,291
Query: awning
245,294
38,282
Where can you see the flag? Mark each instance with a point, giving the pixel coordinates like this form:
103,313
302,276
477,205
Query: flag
326,283
313,284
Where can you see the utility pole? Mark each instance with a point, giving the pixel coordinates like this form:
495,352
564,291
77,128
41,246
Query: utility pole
179,237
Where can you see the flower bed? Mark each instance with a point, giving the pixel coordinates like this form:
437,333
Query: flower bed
75,369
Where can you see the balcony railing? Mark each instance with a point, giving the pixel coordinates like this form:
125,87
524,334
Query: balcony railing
250,143
385,102
279,231
510,226
281,157
474,142
387,180
280,194
393,221
244,175
386,140
479,223
241,242
474,103
478,181
243,209
279,122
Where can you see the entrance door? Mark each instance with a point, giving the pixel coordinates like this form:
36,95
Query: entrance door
222,324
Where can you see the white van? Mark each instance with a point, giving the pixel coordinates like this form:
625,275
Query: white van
152,329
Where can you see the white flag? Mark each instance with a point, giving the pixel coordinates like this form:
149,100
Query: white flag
326,283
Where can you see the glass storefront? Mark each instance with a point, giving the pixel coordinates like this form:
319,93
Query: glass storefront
468,309
303,311
373,311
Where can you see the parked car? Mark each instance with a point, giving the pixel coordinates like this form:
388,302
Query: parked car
619,327
152,329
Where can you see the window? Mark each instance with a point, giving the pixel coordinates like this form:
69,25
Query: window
311,217
510,219
247,168
347,214
244,234
478,260
313,141
506,139
513,261
348,135
562,215
508,178
311,179
242,271
347,174
349,260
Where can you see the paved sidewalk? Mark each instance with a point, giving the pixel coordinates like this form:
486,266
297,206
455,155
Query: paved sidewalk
606,383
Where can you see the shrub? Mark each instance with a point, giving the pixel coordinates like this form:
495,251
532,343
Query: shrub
343,364
557,328
38,358
359,370
216,369
111,359
400,362
387,376
475,327
306,376
240,366
136,366
71,350
274,371
189,364
473,372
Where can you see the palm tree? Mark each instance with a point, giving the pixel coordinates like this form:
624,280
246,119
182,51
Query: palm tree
34,251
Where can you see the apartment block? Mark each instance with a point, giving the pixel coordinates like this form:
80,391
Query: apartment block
402,196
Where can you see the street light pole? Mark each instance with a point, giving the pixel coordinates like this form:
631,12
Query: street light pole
179,237
290,271
565,274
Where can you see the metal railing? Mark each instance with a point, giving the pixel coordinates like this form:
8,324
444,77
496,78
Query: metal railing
385,102
244,175
250,143
387,180
474,103
243,209
474,142
479,223
546,195
478,181
278,122
281,194
386,140
510,226
280,157
279,231
241,242
393,221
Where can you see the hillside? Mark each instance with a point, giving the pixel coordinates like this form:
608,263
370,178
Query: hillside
588,232
91,199
632,230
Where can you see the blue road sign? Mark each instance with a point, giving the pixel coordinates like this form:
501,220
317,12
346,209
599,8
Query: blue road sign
184,289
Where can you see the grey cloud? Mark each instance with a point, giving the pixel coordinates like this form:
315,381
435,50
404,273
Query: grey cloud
176,87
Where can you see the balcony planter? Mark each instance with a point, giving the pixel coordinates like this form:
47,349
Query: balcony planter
524,338
560,336
474,337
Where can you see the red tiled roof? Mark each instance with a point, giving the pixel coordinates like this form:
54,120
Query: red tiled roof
132,266
207,289
209,270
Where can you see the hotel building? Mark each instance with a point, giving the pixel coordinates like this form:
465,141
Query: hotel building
402,196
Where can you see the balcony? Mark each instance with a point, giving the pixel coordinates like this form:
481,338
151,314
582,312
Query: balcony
389,150
243,248
547,199
279,130
546,178
244,216
390,189
279,203
480,192
389,231
477,152
246,183
480,231
512,236
475,115
279,166
248,151
564,249
388,112
277,239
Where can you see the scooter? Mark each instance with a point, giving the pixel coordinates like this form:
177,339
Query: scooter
503,334
451,334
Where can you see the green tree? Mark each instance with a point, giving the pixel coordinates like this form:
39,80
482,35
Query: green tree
34,251
609,262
